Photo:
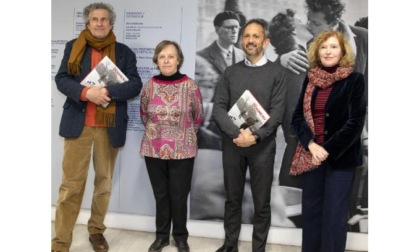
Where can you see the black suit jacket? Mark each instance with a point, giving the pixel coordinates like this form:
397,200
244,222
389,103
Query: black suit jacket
345,112
73,117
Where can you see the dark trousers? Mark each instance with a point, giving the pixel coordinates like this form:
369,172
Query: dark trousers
325,206
260,159
171,183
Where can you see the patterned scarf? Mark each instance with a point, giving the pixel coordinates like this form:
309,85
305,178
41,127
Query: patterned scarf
302,159
104,116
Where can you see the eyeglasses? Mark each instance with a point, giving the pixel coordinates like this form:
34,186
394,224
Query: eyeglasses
231,27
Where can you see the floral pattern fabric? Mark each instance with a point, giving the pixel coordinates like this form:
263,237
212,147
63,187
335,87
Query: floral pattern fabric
172,113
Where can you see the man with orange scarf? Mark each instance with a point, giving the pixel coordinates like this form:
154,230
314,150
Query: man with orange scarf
90,130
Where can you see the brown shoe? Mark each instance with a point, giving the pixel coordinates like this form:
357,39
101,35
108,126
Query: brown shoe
99,242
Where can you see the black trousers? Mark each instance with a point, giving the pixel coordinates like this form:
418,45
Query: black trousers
171,183
260,160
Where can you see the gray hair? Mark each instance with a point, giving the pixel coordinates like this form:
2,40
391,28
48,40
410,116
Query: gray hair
99,6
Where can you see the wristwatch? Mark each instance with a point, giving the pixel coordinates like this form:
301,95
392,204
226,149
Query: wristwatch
257,137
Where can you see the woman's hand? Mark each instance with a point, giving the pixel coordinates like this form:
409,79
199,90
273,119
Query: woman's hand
318,152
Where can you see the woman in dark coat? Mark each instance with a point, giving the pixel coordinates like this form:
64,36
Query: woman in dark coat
328,121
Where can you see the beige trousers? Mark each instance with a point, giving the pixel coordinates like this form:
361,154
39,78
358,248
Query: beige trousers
93,142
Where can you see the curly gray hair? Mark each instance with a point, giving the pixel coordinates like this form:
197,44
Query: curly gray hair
99,6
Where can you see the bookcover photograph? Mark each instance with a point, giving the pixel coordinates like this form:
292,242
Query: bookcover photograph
247,113
105,73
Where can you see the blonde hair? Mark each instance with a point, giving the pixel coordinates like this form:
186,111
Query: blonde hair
347,58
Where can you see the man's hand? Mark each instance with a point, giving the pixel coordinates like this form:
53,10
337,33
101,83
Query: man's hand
245,139
295,61
97,95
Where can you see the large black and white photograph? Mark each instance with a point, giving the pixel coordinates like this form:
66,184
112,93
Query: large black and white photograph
292,26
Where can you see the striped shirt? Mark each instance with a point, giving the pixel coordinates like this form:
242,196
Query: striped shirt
319,113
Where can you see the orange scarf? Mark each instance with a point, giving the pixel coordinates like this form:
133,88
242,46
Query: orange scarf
104,116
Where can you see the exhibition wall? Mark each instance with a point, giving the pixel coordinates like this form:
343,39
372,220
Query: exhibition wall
141,25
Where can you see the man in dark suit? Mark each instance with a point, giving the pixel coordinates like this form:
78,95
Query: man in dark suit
89,129
223,52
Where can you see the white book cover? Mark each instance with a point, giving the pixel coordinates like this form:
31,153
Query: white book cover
105,73
247,113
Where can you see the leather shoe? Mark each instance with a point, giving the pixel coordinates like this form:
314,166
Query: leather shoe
227,248
158,245
99,242
182,246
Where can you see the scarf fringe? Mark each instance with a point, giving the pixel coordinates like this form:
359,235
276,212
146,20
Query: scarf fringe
302,161
106,116
296,173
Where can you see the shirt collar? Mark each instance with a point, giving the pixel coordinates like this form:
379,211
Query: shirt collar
224,51
261,62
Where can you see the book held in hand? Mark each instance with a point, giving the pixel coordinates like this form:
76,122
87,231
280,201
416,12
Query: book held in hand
247,113
105,73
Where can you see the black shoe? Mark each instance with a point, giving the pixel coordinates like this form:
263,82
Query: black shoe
158,245
182,246
227,248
